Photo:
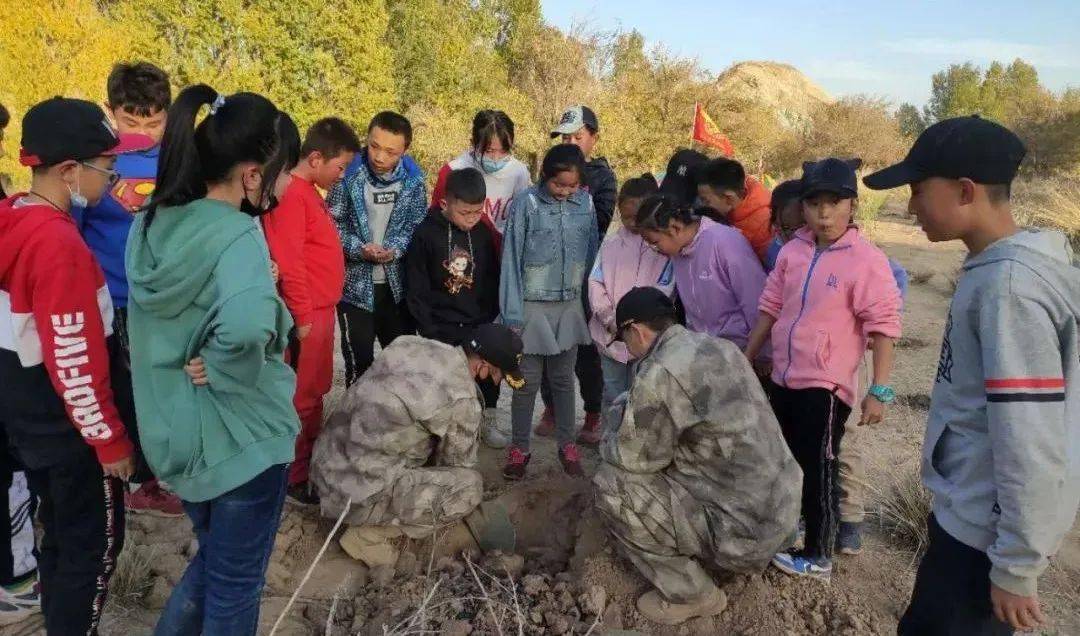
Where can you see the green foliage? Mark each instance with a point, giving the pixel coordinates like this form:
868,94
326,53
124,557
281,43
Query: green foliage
910,120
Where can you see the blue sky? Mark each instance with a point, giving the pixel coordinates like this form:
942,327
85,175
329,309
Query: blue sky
887,49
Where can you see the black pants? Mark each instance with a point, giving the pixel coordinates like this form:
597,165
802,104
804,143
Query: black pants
590,379
812,421
360,328
952,591
82,515
13,524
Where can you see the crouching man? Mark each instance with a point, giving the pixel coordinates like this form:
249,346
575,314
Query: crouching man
402,445
696,475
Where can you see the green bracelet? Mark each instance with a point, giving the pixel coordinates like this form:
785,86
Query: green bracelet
882,393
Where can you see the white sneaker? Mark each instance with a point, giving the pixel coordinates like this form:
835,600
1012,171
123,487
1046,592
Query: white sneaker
493,433
20,604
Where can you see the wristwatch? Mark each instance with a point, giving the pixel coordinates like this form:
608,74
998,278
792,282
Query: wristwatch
882,393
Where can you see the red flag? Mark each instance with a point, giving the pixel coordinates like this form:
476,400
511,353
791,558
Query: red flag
707,133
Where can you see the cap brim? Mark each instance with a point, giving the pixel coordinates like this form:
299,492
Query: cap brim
893,177
130,143
566,129
843,193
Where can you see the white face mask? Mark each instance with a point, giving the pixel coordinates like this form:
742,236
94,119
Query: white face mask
77,199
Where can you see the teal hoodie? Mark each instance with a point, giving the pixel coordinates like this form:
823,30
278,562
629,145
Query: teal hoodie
200,286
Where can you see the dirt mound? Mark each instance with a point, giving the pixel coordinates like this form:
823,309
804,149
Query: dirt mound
781,88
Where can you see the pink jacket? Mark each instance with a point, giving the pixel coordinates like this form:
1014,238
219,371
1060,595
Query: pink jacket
826,304
625,261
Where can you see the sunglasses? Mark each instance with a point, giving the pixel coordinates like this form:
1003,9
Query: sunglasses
113,176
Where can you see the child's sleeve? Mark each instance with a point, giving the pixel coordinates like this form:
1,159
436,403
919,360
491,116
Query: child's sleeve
511,293
414,209
640,434
772,294
1026,418
339,203
901,276
600,300
285,228
876,298
418,289
746,277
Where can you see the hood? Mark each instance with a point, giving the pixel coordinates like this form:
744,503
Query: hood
17,225
170,265
756,199
1047,252
406,168
806,235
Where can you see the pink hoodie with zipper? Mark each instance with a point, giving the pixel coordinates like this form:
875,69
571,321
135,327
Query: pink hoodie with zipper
827,303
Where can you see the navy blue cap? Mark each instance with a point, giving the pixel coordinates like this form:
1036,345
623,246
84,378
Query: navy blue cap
831,175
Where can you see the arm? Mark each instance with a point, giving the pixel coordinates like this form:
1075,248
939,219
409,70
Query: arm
601,302
746,278
457,426
413,207
604,200
883,347
418,290
490,293
511,291
285,228
643,439
339,202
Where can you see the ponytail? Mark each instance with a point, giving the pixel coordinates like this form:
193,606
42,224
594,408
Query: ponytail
179,174
658,211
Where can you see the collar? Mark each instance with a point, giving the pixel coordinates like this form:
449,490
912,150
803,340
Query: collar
545,196
704,224
846,240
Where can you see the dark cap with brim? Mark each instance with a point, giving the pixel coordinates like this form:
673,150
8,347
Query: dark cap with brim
641,304
62,129
836,176
500,346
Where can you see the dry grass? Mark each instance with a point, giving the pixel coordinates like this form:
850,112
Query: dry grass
901,509
132,579
1053,203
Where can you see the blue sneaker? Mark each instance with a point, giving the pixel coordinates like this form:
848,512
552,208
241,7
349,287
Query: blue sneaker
798,565
849,538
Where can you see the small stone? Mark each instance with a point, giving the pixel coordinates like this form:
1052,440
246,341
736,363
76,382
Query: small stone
277,575
564,577
535,616
406,564
534,584
382,575
449,566
511,564
556,623
456,628
159,593
592,600
612,618
566,601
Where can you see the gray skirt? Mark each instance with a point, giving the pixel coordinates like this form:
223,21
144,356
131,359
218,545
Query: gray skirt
554,327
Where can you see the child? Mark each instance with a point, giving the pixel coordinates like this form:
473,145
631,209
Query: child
202,304
680,178
830,292
138,99
718,277
62,421
490,152
736,199
625,262
1002,450
785,215
550,243
304,244
453,271
377,207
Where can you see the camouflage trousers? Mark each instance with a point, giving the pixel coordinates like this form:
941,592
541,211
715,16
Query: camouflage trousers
660,528
422,499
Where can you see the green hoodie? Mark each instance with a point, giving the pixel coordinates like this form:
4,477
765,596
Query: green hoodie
200,286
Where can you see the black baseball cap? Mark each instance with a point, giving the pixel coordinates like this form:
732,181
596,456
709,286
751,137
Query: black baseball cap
962,147
501,347
680,180
60,128
640,304
573,119
831,175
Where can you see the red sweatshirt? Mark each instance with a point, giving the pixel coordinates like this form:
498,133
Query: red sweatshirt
305,245
55,316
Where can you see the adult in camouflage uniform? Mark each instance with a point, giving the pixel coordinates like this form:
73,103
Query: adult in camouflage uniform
402,445
696,473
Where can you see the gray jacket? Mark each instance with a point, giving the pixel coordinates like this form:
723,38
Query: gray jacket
1002,451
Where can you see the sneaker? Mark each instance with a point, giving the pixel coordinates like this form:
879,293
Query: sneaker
590,432
546,427
494,435
516,461
571,460
849,538
19,602
799,565
654,607
302,494
151,499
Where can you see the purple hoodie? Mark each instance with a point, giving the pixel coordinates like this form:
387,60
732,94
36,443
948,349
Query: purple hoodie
719,279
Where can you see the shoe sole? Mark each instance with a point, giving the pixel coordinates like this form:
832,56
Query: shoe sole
714,610
806,575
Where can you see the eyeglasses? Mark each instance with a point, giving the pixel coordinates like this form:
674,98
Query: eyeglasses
113,176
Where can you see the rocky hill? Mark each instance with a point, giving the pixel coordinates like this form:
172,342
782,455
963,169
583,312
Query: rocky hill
781,88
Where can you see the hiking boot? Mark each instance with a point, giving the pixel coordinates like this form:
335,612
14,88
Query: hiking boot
516,461
495,435
799,565
571,460
654,607
546,427
590,432
151,499
849,538
20,601
371,544
302,494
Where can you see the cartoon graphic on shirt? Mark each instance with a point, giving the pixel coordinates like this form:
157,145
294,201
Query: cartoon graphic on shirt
460,267
945,363
132,193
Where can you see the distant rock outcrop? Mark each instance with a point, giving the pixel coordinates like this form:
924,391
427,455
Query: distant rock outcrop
781,88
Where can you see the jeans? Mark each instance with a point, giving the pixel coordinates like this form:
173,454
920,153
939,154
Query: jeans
360,328
220,591
560,372
617,379
590,384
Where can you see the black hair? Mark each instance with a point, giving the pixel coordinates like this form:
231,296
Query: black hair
998,193
562,158
638,187
5,117
786,192
659,324
723,174
244,127
139,88
658,211
330,136
492,124
466,185
392,122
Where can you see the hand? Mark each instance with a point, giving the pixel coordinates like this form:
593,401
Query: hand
762,369
196,370
1021,612
303,331
387,255
872,410
122,469
372,252
275,273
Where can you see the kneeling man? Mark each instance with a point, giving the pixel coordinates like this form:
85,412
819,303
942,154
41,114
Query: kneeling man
696,474
402,445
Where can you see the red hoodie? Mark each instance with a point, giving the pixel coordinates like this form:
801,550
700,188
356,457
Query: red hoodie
752,218
304,243
55,316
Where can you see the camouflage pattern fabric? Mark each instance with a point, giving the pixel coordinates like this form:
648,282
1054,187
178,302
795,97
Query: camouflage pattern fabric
695,467
402,443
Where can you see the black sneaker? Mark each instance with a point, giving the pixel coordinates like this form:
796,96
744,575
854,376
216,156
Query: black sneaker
302,494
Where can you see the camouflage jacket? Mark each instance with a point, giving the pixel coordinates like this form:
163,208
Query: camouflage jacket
416,406
697,413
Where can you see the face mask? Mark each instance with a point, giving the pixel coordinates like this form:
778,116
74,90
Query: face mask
77,199
493,165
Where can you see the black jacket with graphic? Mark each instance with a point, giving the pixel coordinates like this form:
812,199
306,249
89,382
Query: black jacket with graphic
602,185
449,287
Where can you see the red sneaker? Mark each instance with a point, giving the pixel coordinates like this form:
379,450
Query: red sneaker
151,499
590,432
546,427
571,460
516,461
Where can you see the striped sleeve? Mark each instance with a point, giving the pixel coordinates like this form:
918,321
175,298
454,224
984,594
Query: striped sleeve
1025,389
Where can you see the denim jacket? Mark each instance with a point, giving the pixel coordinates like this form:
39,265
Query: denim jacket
548,249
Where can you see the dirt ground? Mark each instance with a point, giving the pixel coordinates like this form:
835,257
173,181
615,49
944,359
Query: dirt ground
566,577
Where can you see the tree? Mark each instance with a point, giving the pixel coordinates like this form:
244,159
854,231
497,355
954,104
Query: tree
910,121
955,91
856,126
